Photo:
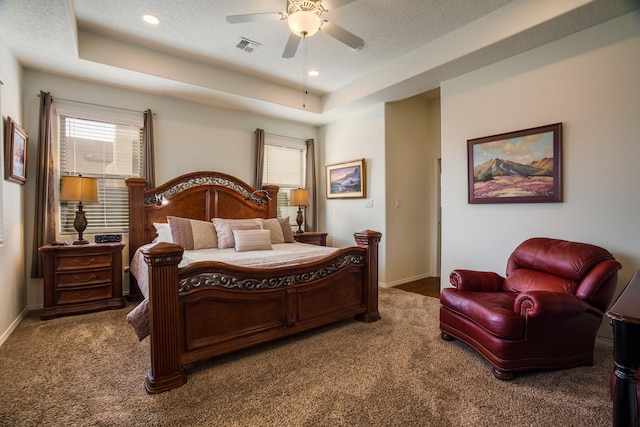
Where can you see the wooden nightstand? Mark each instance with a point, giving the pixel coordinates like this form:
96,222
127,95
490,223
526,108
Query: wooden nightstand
81,278
311,237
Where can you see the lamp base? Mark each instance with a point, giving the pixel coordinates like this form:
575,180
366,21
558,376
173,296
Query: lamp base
81,242
300,220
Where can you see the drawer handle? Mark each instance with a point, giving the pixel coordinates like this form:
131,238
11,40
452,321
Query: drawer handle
90,278
89,295
91,261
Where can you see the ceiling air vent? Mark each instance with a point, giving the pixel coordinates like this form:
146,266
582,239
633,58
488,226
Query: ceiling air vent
247,45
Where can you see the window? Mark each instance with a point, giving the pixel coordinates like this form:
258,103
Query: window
284,166
109,150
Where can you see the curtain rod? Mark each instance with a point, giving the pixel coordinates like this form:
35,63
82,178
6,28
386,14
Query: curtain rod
96,105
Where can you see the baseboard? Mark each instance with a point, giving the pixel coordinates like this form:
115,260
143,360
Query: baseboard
13,326
403,281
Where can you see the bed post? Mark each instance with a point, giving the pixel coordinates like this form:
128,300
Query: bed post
165,330
369,240
273,201
136,227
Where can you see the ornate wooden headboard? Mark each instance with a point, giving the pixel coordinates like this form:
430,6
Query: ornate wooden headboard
196,195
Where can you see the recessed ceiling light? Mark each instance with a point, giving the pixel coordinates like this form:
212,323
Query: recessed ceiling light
150,19
314,73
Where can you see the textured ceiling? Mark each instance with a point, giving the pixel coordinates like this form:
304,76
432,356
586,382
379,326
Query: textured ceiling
410,47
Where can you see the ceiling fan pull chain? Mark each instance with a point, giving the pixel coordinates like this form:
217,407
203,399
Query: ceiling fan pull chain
304,73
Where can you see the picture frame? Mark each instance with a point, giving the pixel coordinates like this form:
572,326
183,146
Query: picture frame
15,153
347,180
523,166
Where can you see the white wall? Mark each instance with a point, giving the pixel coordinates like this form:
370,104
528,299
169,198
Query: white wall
12,286
189,137
589,82
356,137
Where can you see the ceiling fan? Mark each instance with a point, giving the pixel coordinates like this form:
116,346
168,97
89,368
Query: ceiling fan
305,19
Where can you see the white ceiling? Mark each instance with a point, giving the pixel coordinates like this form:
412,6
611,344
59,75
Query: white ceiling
410,47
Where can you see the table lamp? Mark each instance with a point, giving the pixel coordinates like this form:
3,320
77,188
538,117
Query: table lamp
299,198
79,189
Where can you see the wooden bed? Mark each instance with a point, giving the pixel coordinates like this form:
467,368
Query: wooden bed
211,308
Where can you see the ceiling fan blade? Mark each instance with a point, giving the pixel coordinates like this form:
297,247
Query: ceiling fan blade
342,35
254,17
292,46
334,4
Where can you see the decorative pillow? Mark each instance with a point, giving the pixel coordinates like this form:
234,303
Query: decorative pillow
192,233
225,233
286,230
273,225
252,240
164,232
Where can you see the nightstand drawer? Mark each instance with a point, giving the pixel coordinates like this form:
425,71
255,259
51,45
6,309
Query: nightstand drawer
82,277
84,294
75,262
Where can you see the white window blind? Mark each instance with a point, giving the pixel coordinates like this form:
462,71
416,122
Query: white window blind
284,166
108,151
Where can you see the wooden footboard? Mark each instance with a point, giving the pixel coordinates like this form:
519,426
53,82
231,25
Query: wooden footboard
210,309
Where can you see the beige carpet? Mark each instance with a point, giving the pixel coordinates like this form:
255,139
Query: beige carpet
89,370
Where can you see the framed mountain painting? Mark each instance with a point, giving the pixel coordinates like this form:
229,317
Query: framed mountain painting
524,166
347,180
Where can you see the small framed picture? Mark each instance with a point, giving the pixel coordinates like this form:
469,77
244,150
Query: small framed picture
524,166
15,152
347,180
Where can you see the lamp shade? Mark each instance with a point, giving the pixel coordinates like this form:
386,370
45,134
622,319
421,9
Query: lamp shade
79,189
299,197
304,23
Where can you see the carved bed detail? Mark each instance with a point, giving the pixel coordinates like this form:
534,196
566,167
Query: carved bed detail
212,308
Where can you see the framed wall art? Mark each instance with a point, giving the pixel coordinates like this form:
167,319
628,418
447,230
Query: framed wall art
524,166
347,180
15,152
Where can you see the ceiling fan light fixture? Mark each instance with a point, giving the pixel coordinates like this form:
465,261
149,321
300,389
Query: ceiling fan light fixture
304,23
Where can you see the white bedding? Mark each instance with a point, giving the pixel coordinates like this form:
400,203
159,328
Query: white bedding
282,254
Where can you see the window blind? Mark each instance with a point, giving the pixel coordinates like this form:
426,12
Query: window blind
108,151
284,166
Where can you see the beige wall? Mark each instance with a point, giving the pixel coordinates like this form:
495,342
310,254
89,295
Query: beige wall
411,153
189,137
589,82
13,295
356,137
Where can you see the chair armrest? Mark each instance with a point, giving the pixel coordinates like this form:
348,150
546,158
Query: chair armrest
481,281
548,304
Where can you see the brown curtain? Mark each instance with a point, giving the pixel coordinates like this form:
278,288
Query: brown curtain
257,183
311,217
44,227
149,168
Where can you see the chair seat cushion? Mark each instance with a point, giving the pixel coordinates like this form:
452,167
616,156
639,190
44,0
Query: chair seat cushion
493,311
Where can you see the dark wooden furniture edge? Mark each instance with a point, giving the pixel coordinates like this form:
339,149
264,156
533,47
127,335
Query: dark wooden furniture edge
625,320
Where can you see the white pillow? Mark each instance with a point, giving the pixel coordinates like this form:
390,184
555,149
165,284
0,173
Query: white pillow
225,233
164,232
252,240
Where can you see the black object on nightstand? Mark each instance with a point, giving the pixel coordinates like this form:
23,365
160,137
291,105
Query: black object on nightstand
81,278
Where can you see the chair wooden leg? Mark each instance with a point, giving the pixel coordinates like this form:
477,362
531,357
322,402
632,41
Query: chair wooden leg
502,375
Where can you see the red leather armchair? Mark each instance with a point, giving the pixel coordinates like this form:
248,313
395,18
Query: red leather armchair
543,315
